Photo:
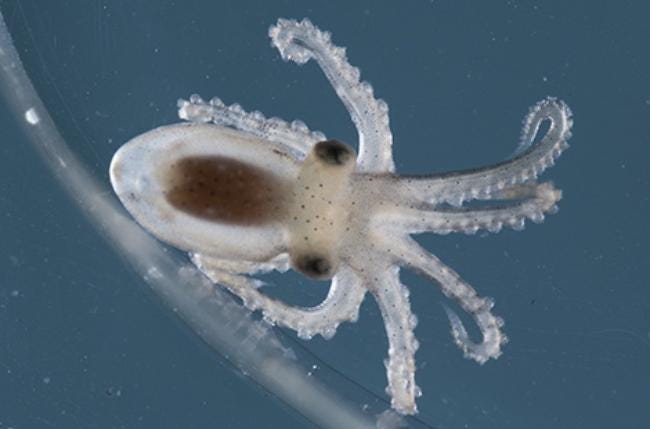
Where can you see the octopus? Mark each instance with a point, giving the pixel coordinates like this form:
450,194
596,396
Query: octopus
244,194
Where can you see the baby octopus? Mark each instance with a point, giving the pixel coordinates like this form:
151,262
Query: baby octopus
245,194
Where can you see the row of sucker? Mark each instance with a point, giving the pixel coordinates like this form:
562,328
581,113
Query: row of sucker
295,135
393,300
341,305
301,41
254,332
522,202
531,160
411,254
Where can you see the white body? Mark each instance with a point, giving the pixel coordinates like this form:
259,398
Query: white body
349,219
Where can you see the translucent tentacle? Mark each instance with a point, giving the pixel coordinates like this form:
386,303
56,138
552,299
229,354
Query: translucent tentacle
301,41
528,201
393,300
411,254
295,135
341,304
531,160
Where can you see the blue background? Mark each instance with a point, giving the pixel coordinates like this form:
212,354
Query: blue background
84,344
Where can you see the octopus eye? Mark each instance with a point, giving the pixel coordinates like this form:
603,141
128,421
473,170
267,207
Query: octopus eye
314,266
333,152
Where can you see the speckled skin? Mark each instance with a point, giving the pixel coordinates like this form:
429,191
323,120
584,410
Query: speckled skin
261,194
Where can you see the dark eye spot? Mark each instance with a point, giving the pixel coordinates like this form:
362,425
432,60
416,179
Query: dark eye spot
333,152
313,265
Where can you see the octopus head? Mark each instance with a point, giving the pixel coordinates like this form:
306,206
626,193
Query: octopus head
317,212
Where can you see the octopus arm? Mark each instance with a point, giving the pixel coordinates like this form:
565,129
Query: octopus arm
530,160
521,202
341,304
294,137
393,300
301,41
412,255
